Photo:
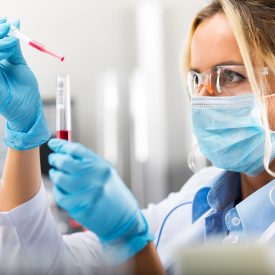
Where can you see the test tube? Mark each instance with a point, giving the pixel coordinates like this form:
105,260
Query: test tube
16,33
63,107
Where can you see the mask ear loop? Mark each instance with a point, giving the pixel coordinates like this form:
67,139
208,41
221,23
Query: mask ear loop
272,195
191,159
267,158
268,145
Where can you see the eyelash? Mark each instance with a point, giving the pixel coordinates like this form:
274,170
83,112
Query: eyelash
242,77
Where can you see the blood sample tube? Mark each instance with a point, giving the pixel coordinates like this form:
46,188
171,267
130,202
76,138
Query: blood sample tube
16,33
63,108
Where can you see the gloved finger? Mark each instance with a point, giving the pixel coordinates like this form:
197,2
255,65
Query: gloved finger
74,149
15,23
6,53
7,43
73,202
4,30
73,184
65,163
66,184
71,165
3,19
55,175
17,58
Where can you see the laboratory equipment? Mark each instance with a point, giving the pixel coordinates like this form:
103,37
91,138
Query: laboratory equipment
16,33
63,107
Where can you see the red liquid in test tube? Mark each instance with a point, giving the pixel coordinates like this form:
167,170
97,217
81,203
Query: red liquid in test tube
42,48
16,33
63,108
64,134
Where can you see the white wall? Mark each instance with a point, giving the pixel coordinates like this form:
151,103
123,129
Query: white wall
94,36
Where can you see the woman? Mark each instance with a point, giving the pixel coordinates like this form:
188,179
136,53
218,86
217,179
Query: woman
230,65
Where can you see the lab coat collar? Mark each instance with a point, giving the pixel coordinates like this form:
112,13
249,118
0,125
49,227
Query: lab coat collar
251,211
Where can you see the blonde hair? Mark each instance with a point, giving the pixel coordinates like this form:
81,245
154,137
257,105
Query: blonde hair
253,25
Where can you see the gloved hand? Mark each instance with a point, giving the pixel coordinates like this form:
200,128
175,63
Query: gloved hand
20,101
92,192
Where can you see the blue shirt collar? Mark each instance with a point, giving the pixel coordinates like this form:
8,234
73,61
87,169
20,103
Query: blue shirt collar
223,190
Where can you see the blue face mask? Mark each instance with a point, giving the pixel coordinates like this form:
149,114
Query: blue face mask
230,133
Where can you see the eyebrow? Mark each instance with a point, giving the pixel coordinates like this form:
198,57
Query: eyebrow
229,62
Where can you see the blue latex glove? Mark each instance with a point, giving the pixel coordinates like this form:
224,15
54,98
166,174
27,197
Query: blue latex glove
20,101
92,192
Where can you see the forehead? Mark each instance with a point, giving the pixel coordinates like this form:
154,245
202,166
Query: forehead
214,43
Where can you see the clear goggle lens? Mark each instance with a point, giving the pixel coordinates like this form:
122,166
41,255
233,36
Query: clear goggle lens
221,81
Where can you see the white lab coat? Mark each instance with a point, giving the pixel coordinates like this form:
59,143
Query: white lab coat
30,232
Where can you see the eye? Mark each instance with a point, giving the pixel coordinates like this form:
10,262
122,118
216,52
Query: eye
231,77
196,81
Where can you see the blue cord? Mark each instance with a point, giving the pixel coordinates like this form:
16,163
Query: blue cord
166,218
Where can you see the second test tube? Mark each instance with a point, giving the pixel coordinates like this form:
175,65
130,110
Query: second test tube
63,108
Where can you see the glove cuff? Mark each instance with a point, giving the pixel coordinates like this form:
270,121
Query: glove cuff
119,251
36,136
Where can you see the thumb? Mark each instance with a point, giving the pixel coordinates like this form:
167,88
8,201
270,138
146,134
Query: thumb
17,58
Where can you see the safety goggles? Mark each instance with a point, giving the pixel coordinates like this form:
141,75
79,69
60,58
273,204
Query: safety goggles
225,80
